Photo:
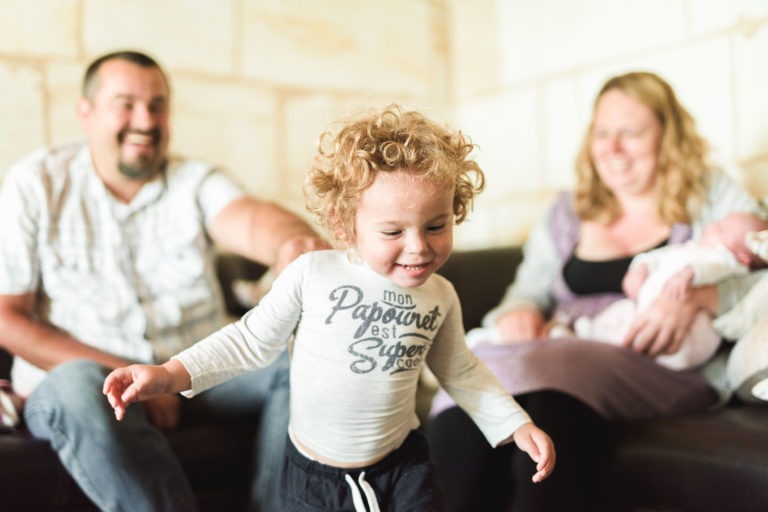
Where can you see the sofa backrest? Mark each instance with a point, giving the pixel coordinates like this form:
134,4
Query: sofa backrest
5,364
479,276
228,268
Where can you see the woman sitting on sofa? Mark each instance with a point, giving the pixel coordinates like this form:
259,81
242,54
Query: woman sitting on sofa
642,182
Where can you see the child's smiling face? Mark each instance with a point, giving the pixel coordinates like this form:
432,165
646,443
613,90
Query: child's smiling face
404,227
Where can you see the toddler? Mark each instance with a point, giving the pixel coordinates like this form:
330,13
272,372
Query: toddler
365,319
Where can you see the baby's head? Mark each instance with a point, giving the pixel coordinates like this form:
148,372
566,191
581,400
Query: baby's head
391,185
731,231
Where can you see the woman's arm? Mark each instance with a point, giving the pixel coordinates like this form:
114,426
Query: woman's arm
532,288
661,328
724,196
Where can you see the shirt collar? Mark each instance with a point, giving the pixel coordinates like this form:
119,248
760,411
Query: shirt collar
148,194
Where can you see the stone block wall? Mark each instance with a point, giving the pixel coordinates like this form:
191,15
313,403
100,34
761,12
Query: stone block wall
524,76
256,81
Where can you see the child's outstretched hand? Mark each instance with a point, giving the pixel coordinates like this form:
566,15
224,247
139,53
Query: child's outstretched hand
537,444
141,382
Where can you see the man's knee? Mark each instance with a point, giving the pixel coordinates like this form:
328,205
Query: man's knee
73,389
76,371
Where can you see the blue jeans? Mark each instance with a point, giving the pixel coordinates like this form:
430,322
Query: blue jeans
129,465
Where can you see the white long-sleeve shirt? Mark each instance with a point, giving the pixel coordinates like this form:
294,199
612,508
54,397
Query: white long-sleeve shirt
360,341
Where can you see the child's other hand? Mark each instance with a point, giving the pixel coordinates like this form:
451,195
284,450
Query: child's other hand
537,444
135,383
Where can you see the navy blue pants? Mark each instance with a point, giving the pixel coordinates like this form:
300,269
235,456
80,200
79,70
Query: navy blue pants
404,480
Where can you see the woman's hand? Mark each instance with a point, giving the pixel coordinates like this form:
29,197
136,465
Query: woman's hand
661,328
522,324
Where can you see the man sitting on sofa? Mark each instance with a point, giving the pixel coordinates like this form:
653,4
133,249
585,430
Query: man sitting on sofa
107,258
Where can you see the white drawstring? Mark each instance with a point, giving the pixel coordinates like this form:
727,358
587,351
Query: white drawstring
357,499
373,504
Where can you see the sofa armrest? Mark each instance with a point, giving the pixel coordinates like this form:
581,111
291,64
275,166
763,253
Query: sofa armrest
231,267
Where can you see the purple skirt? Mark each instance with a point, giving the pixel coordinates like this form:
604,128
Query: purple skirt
616,382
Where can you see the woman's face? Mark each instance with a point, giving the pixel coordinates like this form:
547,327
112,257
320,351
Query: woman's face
626,137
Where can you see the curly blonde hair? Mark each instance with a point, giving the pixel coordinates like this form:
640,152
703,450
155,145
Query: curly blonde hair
386,141
682,163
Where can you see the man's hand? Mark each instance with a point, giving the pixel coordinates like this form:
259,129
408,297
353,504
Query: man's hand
295,246
163,411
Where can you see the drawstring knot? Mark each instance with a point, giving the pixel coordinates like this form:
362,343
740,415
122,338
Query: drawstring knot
357,498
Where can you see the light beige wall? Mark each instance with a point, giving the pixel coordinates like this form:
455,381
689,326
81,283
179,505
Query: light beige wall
525,74
255,81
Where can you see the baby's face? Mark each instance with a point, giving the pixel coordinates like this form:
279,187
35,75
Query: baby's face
404,227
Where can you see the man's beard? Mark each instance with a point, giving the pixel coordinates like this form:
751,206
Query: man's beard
144,166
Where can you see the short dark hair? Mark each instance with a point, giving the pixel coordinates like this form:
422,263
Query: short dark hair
90,79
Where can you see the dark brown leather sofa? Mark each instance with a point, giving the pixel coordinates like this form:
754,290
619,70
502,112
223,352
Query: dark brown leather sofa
715,462
217,456
709,462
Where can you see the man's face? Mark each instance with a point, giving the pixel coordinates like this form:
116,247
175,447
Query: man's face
126,121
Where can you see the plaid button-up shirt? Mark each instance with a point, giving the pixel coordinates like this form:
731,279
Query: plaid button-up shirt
136,280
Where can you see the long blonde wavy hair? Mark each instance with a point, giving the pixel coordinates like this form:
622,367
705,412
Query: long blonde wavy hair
682,164
386,141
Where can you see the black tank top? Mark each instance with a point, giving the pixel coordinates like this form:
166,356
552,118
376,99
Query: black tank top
597,276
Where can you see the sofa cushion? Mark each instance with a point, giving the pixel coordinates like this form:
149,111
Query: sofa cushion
707,462
217,459
480,278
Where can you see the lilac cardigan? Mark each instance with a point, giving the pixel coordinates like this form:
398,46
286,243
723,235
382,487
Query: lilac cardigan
564,226
539,282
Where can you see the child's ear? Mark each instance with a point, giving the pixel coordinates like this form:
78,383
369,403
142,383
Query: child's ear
344,238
